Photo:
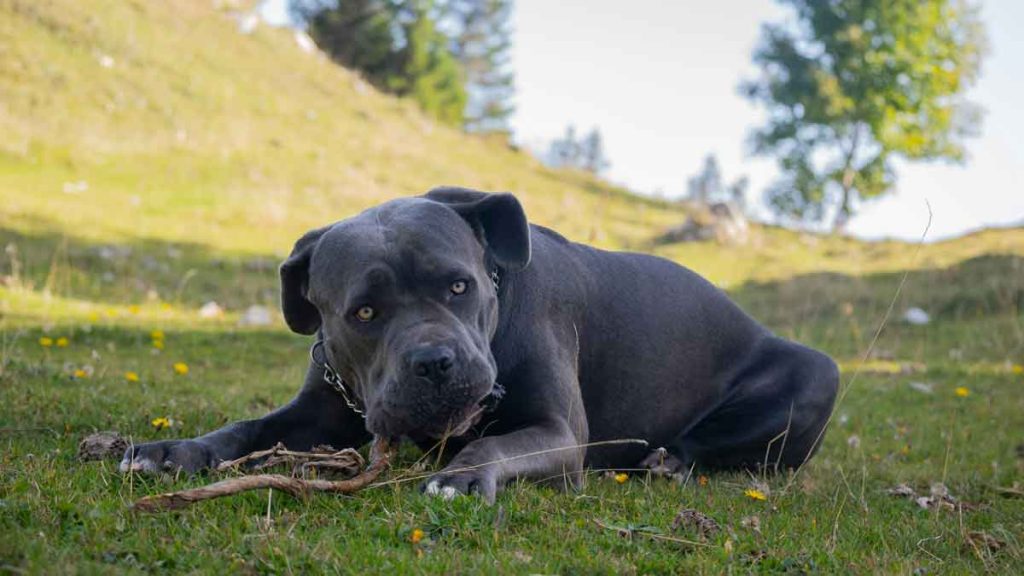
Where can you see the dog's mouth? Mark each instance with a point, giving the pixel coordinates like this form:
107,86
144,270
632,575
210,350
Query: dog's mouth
444,417
461,420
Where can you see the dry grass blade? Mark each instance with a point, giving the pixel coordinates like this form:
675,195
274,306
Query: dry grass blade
380,457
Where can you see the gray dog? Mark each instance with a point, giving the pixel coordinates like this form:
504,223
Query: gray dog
449,316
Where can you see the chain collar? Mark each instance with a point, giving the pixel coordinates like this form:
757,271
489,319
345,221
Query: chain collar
332,378
337,383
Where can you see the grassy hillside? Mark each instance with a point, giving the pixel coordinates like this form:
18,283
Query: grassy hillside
153,159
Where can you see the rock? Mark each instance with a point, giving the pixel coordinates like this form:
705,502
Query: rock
211,310
916,317
923,387
722,222
304,42
107,445
256,316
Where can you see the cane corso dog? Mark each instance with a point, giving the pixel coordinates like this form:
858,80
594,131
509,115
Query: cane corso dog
450,317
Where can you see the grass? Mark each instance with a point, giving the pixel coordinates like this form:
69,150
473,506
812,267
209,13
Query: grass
205,153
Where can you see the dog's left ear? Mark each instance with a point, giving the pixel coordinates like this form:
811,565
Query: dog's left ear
500,223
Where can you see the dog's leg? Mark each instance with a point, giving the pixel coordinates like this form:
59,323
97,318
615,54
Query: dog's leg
317,415
547,451
548,447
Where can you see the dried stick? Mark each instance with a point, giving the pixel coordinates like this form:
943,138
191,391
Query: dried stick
380,457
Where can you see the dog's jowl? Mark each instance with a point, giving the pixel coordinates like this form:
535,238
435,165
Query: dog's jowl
450,317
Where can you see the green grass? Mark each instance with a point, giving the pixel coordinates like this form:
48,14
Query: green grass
206,153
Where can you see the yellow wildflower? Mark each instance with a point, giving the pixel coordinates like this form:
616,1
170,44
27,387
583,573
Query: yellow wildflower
134,309
61,342
79,373
962,392
46,341
416,536
161,423
131,376
755,494
181,368
621,478
157,334
1017,369
158,344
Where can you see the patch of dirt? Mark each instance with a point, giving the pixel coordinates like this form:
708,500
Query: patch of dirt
106,445
691,520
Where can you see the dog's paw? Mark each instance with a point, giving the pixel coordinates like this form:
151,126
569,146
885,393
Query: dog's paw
448,485
661,462
167,456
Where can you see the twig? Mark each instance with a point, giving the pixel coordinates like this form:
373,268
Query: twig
380,457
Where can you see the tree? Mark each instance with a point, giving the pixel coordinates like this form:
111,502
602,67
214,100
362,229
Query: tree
708,186
480,40
707,183
395,44
592,158
427,71
586,153
855,84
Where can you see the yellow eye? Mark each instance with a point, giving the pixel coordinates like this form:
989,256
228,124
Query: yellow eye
459,287
365,314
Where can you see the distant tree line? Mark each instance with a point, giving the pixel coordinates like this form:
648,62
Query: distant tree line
450,56
584,152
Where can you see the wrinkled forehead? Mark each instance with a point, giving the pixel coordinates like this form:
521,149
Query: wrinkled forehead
410,237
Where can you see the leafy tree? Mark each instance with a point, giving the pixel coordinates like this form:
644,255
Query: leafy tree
395,44
480,40
854,84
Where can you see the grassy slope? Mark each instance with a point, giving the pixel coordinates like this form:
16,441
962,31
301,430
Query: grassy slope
207,152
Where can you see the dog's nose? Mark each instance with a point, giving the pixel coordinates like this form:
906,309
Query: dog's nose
432,362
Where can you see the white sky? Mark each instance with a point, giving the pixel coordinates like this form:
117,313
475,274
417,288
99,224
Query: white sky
659,78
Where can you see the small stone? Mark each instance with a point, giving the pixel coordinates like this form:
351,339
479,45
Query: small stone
916,317
256,316
922,387
211,310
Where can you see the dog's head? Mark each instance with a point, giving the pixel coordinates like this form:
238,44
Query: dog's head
403,296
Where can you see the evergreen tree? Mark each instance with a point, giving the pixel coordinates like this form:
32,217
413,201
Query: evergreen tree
592,158
481,40
395,44
586,153
426,70
708,186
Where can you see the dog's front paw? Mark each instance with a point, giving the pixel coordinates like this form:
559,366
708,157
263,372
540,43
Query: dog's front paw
168,456
449,484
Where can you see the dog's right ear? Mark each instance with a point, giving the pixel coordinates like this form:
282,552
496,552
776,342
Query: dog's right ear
299,313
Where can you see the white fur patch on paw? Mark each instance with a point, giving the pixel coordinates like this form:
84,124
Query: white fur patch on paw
448,492
433,488
139,465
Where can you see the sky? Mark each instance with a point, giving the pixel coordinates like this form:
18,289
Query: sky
659,79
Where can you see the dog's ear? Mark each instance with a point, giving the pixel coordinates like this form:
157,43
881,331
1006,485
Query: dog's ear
299,313
497,219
